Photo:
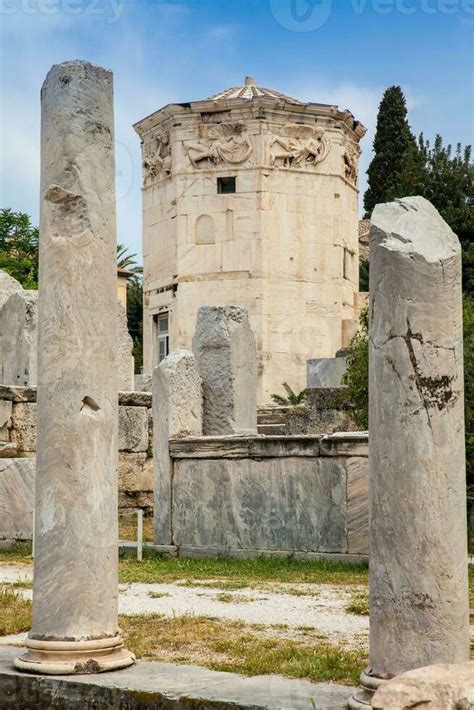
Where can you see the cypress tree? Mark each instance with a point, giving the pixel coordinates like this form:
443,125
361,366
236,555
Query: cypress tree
397,168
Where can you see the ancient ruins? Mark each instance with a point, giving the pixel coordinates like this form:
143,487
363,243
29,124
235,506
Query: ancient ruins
221,485
250,198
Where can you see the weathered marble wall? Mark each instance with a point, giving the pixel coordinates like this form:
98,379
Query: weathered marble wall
273,495
18,451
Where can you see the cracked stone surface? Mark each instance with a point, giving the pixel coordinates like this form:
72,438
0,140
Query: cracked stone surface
226,356
75,585
418,588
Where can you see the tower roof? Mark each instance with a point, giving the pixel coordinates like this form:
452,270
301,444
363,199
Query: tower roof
250,90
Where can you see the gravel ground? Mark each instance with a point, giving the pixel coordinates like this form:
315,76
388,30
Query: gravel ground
319,608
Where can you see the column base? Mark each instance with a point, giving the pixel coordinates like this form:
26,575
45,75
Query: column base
369,685
74,657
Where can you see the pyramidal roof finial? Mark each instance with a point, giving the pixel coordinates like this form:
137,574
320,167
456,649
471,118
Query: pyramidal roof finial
250,81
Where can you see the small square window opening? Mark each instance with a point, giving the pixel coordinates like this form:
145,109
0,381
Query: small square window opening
226,185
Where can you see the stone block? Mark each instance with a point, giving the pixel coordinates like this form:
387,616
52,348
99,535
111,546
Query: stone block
129,501
446,686
18,338
5,419
134,399
135,472
23,431
345,443
226,357
325,372
133,429
17,483
280,504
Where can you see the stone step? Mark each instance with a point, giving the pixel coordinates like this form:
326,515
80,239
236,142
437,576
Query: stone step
150,684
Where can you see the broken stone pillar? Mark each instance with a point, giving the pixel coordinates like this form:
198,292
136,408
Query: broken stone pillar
419,611
75,589
18,339
226,356
177,412
8,285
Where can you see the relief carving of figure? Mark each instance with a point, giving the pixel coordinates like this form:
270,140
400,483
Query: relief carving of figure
351,162
224,143
157,157
300,146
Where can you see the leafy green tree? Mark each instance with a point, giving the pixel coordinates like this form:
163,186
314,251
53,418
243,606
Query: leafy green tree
134,302
397,168
292,398
356,376
127,261
135,318
449,185
363,275
468,324
19,247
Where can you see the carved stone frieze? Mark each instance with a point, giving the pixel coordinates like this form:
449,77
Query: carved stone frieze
351,162
220,144
298,146
156,158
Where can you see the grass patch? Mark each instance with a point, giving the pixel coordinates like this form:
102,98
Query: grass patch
227,585
128,528
359,604
15,612
158,595
253,572
21,584
19,552
234,598
237,648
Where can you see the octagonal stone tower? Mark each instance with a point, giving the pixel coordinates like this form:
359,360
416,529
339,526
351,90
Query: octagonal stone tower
250,198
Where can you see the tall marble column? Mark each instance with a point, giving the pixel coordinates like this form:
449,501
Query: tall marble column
419,611
75,588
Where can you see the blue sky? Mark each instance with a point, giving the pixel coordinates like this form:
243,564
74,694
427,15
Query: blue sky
331,51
